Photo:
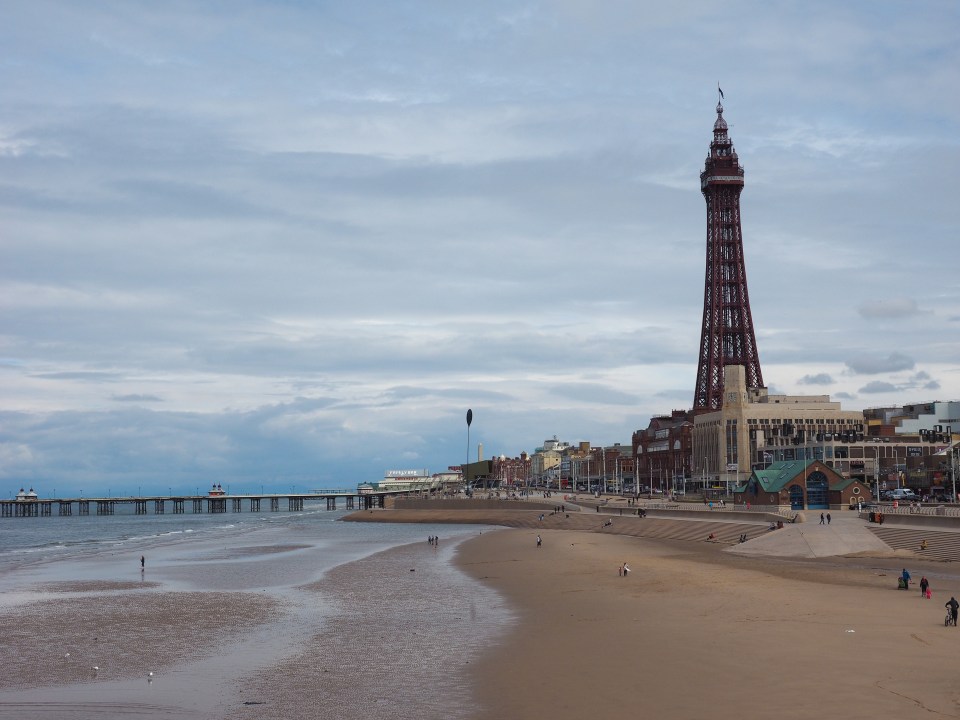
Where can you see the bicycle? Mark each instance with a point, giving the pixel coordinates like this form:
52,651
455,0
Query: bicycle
949,619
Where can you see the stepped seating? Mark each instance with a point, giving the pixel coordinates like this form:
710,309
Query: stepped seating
941,545
725,533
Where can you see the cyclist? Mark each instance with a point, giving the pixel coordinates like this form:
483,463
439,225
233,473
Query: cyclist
953,605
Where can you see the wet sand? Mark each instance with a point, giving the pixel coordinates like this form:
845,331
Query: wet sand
390,633
694,632
124,634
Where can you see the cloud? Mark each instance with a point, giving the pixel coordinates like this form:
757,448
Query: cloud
878,386
868,365
90,376
818,379
214,262
593,393
889,308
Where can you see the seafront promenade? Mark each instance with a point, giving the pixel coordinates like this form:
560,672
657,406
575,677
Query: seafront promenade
931,533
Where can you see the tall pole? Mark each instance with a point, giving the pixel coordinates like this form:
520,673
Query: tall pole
876,470
953,461
469,420
603,480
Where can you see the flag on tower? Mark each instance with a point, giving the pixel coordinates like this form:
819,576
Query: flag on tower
720,91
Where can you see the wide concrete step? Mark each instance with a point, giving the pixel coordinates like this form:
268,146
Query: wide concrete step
667,529
941,545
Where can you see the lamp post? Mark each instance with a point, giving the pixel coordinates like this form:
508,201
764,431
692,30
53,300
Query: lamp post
703,477
953,462
876,470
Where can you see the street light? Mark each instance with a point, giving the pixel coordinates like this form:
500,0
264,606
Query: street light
876,470
953,461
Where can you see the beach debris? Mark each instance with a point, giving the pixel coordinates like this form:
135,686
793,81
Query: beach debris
66,655
96,668
851,630
149,674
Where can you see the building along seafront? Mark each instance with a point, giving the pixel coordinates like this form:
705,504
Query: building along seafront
728,442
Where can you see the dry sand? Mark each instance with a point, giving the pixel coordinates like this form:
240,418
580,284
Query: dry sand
693,632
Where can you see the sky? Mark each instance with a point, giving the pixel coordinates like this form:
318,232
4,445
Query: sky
289,244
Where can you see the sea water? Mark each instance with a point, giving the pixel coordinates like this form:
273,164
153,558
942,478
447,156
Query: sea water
278,553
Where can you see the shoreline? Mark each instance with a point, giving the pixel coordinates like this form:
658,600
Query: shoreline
164,651
488,626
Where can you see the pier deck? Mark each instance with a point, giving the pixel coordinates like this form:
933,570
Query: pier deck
178,504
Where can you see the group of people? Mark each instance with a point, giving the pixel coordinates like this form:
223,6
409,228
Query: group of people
952,605
824,519
433,540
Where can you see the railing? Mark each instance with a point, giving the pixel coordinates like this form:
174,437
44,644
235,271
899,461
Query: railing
923,510
726,507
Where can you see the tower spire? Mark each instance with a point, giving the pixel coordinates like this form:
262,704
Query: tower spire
727,336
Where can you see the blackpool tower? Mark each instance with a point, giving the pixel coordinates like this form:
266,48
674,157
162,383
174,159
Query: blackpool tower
727,336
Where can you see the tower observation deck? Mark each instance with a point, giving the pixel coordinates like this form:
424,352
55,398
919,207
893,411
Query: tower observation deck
727,336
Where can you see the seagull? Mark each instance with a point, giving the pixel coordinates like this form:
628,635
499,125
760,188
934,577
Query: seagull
66,655
149,674
96,667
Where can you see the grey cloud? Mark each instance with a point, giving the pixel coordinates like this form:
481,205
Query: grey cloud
870,365
889,308
878,386
593,393
818,379
134,397
92,376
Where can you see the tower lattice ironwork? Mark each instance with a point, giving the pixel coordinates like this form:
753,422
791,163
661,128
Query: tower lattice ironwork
727,337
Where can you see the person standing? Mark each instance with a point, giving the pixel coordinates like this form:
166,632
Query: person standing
906,579
143,563
924,584
539,541
821,518
828,518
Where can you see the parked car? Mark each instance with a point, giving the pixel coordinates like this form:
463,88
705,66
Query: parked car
899,494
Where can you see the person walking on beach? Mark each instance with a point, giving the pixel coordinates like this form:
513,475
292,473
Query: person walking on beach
924,584
953,605
539,541
906,579
626,569
828,518
821,519
143,563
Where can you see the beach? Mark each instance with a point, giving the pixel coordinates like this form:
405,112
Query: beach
694,632
483,625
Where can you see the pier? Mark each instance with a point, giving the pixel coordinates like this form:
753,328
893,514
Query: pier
178,504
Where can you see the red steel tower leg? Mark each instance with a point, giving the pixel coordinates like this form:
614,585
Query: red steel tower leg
727,336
